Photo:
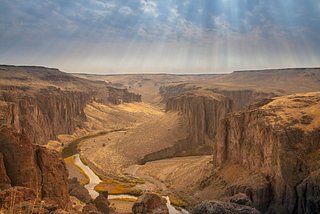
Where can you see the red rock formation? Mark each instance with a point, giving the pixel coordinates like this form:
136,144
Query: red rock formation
281,137
35,167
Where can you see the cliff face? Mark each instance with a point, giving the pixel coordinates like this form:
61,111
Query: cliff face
43,115
241,97
203,109
118,96
44,103
30,166
282,138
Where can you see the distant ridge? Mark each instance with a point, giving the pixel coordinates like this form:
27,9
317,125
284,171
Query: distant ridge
28,66
280,69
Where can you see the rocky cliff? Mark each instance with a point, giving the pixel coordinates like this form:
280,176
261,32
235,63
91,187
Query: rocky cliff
246,87
279,139
203,109
44,103
43,115
34,169
241,97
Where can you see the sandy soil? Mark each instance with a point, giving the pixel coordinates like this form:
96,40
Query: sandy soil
121,206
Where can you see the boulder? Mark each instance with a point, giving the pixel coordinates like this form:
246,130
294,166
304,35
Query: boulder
150,203
219,207
101,202
240,199
79,191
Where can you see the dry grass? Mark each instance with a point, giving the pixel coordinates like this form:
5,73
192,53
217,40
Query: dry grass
177,202
124,199
115,187
298,111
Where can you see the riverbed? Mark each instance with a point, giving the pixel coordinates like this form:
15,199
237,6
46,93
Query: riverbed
94,180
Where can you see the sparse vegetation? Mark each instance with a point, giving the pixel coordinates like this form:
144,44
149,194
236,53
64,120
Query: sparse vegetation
135,192
124,199
71,161
187,154
177,202
84,160
115,187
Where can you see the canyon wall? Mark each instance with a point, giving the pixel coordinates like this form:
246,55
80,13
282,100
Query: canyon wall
241,97
44,103
43,115
118,96
281,138
203,109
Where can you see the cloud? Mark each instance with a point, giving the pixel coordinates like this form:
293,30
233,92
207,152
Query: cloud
200,28
103,4
174,12
126,11
149,7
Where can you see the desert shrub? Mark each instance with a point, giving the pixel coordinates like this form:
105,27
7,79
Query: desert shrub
177,202
135,192
84,160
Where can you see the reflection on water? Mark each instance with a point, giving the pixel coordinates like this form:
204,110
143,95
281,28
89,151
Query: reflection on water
94,179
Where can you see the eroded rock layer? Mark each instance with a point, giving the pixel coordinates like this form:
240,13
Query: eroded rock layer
280,137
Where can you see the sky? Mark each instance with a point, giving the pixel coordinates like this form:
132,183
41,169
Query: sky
160,36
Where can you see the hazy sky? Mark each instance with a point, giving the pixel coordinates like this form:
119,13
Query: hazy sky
167,36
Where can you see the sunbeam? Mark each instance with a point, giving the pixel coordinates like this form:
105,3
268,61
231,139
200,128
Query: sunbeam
160,36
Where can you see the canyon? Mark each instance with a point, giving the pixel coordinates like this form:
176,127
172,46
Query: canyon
262,137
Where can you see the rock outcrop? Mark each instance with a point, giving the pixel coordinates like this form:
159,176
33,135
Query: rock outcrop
34,167
79,191
101,203
204,109
217,207
118,96
150,203
281,138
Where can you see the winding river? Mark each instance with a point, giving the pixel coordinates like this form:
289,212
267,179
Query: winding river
94,180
